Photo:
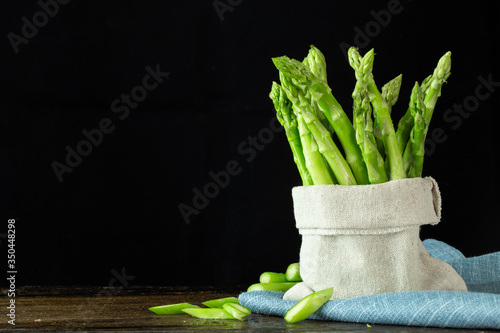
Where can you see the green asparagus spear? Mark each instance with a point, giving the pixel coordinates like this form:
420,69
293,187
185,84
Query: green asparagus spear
326,145
308,305
364,135
432,93
418,133
363,71
313,158
316,63
311,87
310,114
431,90
390,92
439,76
431,87
172,308
408,156
272,277
288,120
292,273
405,124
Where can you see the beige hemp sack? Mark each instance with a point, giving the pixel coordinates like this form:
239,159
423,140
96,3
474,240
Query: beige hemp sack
364,239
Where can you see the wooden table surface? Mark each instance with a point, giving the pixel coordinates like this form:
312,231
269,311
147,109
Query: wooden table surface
45,309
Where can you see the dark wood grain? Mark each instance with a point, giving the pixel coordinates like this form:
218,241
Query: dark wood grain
126,309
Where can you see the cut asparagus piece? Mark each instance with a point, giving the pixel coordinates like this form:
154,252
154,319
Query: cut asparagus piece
237,310
292,273
308,305
218,303
209,313
172,308
281,286
272,277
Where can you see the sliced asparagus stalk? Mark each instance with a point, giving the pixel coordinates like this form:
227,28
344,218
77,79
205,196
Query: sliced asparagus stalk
308,305
281,286
272,277
237,310
292,273
209,313
218,303
172,308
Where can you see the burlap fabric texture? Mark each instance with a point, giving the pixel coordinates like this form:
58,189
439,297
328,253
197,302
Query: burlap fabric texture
365,239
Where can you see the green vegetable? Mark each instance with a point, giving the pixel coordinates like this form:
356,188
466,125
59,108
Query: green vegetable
314,160
372,150
420,125
281,286
382,109
237,310
406,122
423,110
271,277
209,313
308,305
288,120
302,86
218,303
366,137
172,308
316,63
221,308
292,273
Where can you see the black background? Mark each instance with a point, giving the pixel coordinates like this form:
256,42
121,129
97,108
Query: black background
119,208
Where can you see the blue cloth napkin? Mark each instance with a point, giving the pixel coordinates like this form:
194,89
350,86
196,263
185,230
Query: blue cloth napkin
478,308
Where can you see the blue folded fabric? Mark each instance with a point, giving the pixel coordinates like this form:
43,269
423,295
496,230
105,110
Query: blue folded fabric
481,274
478,308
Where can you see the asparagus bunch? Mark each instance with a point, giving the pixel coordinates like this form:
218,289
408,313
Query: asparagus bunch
372,150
